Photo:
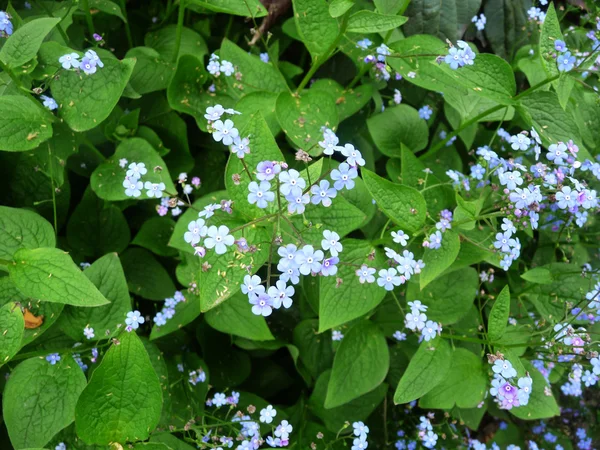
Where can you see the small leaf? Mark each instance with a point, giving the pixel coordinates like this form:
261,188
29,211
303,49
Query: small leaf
25,42
123,399
404,205
50,275
396,126
360,364
108,7
426,370
23,124
12,325
21,228
372,22
549,33
39,400
436,261
538,275
499,315
338,8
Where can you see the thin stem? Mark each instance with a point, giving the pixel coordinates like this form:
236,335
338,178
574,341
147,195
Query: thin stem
88,17
127,28
180,18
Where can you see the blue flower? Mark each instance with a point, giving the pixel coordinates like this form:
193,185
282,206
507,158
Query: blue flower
196,230
336,335
329,267
297,203
6,25
264,57
503,241
331,242
365,274
430,330
93,56
252,284
454,58
281,294
266,170
322,193
504,368
520,142
291,183
88,65
359,444
559,45
400,237
134,319
240,146
329,142
399,335
353,156
565,198
213,66
566,62
309,260
511,179
133,187
477,172
213,113
425,112
267,414
262,304
291,274
224,131
430,439
364,43
344,176
154,189
383,51
227,68
136,170
160,319
435,240
53,358
388,279
219,239
360,430
468,55
69,60
260,194
288,255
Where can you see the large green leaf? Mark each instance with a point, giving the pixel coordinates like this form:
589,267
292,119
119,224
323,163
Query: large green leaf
107,179
11,331
427,368
86,100
25,42
510,27
247,8
235,317
107,275
316,351
348,101
436,261
164,41
251,104
123,399
498,318
50,275
154,235
151,72
23,124
404,205
316,28
96,228
447,19
372,22
302,116
146,276
39,400
450,297
360,364
21,228
396,126
342,303
185,93
464,385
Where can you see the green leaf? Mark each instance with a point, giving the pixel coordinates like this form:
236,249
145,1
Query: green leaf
396,126
436,261
185,313
360,364
107,275
50,275
107,7
317,29
316,351
464,385
11,331
372,22
302,116
451,296
262,148
151,72
335,418
499,315
256,75
25,42
510,27
427,368
539,275
155,234
86,100
123,399
171,441
185,93
96,228
404,205
351,299
251,104
146,276
164,41
348,101
447,19
107,178
490,77
391,6
338,8
247,8
39,400
23,124
235,317
549,33
21,228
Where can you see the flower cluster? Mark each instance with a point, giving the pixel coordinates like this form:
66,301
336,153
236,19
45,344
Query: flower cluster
196,376
133,182
508,395
564,60
225,131
382,70
479,22
459,57
6,26
434,241
89,63
216,67
416,320
361,431
536,14
168,310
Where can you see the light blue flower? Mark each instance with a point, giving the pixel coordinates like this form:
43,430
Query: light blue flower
219,239
134,319
267,414
366,274
566,62
297,204
430,330
53,358
70,60
353,155
343,176
322,193
154,190
520,142
504,368
93,56
291,183
196,230
309,260
133,187
240,146
262,304
566,198
435,240
260,194
425,112
329,266
364,43
224,131
331,242
388,278
281,294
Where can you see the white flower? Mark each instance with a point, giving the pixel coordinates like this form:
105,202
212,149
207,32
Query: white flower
154,189
267,414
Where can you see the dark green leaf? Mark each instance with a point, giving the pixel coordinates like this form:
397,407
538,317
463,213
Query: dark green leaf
155,234
372,22
25,42
20,228
11,331
499,315
23,124
317,29
146,276
316,351
396,126
436,261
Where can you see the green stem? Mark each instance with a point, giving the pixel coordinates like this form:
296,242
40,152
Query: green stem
127,28
85,5
316,64
180,18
